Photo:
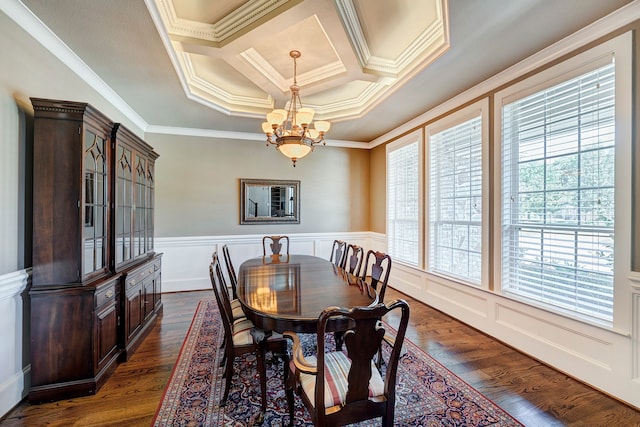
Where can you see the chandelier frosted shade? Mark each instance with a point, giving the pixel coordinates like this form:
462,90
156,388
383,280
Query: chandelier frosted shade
293,131
293,148
304,116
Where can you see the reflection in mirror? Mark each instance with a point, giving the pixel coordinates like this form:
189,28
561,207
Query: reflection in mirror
269,201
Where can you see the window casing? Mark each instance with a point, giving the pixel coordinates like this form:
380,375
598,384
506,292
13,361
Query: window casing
455,196
562,159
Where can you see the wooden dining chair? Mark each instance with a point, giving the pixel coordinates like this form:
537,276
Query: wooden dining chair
275,245
233,278
352,260
378,264
339,388
242,337
338,250
236,307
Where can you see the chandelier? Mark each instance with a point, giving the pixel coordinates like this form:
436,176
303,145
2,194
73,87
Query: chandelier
291,130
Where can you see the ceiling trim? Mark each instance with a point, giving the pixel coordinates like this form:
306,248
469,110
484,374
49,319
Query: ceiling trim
600,28
29,22
244,136
263,66
428,38
227,28
393,67
223,96
349,16
357,105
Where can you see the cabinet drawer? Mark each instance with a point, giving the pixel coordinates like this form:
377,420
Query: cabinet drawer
106,294
157,264
138,275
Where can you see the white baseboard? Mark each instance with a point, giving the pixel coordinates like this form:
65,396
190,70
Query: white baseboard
13,390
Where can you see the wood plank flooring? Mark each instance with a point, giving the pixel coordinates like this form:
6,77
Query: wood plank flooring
530,391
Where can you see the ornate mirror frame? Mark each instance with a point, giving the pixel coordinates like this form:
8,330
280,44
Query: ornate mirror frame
269,201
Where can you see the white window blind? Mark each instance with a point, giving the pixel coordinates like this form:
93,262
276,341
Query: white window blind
558,194
455,201
403,216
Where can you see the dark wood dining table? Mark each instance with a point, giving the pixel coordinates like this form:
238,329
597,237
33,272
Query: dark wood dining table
288,292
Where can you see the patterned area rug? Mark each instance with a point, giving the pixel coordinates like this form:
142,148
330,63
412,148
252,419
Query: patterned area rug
427,393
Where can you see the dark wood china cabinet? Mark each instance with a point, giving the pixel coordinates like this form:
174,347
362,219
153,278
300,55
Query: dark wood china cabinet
134,180
92,240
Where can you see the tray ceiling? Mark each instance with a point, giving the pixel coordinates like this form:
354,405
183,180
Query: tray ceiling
234,55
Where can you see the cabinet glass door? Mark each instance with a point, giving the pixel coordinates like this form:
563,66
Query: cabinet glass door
124,205
140,226
150,206
95,203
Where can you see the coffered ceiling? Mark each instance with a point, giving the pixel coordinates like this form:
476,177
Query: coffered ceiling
234,55
214,67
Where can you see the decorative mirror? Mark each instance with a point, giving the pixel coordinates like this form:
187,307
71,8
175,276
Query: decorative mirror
269,201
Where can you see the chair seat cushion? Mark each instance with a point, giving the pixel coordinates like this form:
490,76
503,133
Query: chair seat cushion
236,310
242,332
337,366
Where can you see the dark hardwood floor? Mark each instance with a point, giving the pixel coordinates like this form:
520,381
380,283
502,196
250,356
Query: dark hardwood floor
530,391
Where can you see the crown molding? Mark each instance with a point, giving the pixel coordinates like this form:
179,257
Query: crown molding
22,16
226,28
243,136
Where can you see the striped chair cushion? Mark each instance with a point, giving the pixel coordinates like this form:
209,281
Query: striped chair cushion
236,310
242,332
337,366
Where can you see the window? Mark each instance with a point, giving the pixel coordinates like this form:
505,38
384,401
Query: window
559,198
403,200
455,200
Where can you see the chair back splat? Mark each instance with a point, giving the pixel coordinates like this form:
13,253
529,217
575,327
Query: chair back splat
352,260
276,245
338,250
338,388
379,265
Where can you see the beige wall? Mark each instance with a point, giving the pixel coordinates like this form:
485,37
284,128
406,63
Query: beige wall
197,186
378,195
9,183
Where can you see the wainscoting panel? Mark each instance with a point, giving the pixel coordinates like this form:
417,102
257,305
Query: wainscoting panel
557,337
635,328
14,314
459,296
185,263
408,281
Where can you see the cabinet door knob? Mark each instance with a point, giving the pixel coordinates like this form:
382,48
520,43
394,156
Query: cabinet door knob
109,293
